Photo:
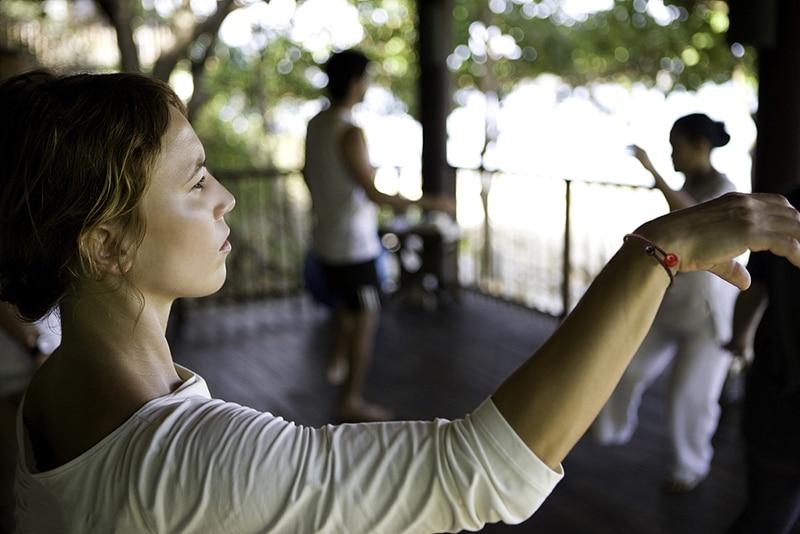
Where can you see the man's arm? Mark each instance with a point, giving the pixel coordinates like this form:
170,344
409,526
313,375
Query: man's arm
552,399
356,158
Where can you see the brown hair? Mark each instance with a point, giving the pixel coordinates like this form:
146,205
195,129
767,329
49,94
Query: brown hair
75,152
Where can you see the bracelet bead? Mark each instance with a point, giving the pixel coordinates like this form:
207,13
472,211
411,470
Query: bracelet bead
668,260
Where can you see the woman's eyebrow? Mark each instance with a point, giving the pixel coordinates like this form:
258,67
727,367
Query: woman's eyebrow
201,161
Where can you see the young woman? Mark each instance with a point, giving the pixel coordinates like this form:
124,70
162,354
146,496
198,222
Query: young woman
692,324
109,211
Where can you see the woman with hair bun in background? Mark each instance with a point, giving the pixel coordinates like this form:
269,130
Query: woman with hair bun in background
691,325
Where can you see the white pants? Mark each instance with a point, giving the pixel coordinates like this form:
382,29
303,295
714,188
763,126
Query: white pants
698,375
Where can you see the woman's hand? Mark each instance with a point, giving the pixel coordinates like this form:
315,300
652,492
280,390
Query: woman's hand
708,236
640,154
741,350
551,399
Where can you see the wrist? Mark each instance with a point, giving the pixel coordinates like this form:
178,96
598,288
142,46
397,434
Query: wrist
667,259
660,234
642,267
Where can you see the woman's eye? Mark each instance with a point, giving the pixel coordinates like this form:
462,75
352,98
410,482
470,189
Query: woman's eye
200,184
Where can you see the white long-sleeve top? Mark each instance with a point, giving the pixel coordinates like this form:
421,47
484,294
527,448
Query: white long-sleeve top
188,463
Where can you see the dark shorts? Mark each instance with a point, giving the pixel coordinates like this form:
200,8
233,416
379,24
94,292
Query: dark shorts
355,286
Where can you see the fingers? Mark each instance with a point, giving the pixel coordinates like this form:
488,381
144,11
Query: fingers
771,199
780,243
732,272
709,235
773,224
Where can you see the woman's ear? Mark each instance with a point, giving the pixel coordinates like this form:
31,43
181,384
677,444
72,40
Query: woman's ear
101,249
702,145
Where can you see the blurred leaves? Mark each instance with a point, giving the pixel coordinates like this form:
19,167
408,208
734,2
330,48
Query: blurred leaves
668,44
680,44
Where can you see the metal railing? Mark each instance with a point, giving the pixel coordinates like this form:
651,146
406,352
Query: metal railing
530,240
269,231
538,241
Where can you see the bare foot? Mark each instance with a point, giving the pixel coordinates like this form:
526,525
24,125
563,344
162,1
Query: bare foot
363,412
337,371
676,486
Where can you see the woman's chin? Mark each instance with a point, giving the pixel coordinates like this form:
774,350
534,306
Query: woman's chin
221,282
209,289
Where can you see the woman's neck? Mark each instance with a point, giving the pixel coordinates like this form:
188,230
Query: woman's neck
701,171
115,329
345,105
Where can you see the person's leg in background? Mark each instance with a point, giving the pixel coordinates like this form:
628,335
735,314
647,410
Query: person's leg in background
339,366
617,421
352,406
357,317
701,366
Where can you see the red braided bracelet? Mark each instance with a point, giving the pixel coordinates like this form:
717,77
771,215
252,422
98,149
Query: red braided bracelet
668,260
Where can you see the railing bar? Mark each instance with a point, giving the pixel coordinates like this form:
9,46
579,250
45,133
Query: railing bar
566,261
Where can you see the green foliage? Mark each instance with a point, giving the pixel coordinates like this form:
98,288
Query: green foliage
496,44
392,46
624,44
254,83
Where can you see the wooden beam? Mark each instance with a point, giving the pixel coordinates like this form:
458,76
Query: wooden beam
434,45
772,28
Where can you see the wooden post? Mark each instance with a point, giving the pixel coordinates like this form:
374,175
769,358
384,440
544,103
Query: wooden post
772,27
435,44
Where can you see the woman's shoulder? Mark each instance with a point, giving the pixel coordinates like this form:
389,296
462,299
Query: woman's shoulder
723,184
67,411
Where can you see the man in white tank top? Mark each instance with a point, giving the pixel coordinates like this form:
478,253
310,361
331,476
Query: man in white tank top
345,236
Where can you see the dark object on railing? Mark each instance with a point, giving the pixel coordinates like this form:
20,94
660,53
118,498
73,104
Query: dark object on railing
428,263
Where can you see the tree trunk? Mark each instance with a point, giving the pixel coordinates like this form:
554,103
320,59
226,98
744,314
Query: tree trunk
200,96
120,15
168,59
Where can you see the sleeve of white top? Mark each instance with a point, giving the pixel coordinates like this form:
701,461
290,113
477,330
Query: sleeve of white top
248,471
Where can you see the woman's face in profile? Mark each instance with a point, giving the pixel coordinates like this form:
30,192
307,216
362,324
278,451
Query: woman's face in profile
185,245
687,155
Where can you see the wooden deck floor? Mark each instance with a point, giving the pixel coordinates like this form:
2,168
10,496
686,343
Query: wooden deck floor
271,356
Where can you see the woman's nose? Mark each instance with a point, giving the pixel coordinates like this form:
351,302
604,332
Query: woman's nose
226,203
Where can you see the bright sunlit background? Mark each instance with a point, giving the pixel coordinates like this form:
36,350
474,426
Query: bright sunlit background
264,81
545,127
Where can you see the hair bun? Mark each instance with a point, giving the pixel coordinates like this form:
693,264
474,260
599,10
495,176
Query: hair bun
721,136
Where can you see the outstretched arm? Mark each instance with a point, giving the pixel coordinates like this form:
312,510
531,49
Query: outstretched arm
677,200
552,399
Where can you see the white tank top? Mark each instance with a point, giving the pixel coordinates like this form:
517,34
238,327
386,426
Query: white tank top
345,220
